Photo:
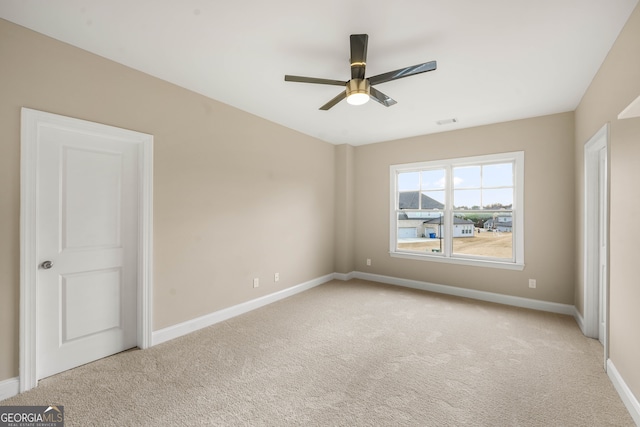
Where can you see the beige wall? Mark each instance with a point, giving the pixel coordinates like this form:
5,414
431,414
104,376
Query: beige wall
616,84
236,196
549,206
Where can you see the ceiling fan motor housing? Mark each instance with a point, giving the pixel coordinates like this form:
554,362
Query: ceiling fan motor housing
358,91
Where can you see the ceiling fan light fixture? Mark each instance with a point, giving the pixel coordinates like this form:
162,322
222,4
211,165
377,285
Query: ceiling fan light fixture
358,91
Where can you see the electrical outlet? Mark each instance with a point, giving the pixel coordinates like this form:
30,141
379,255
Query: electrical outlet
532,283
256,282
276,277
368,261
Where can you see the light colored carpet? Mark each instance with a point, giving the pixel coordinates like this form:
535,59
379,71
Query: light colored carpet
352,354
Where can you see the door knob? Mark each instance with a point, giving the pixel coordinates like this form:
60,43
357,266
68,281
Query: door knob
46,265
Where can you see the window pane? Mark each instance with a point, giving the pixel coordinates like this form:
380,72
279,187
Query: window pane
498,198
408,181
466,177
420,234
432,200
466,199
500,175
494,239
433,179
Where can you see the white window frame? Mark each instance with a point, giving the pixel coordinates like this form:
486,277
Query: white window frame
517,263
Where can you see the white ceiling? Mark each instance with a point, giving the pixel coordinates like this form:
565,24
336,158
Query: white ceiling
498,60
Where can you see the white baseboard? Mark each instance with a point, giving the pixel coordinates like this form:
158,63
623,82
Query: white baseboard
552,307
193,325
9,388
629,400
343,276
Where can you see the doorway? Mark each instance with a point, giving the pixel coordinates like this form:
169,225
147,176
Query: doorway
85,288
596,238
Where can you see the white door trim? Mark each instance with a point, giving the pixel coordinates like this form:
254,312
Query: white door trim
591,233
31,121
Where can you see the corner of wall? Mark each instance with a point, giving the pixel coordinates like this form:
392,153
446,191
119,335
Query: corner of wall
344,209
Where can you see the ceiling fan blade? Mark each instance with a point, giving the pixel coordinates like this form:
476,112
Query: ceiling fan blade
358,55
314,80
380,97
342,95
403,72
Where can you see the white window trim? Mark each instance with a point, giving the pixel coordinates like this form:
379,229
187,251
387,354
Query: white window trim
518,211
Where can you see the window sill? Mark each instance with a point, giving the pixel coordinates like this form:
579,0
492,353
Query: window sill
460,261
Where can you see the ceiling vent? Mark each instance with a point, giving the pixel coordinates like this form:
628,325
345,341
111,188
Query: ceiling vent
447,121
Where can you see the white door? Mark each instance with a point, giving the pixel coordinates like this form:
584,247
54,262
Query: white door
596,238
602,245
87,230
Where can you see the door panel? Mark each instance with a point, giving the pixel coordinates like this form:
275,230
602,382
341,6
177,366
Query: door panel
90,303
92,194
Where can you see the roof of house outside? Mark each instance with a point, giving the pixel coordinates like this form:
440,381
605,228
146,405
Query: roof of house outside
409,200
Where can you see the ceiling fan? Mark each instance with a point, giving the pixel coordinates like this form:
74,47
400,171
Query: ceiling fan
359,89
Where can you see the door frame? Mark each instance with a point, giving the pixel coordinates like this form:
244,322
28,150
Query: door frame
31,121
591,233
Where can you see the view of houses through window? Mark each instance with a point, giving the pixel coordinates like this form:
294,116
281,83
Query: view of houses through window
460,208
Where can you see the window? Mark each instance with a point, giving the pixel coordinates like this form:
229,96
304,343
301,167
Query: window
463,211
